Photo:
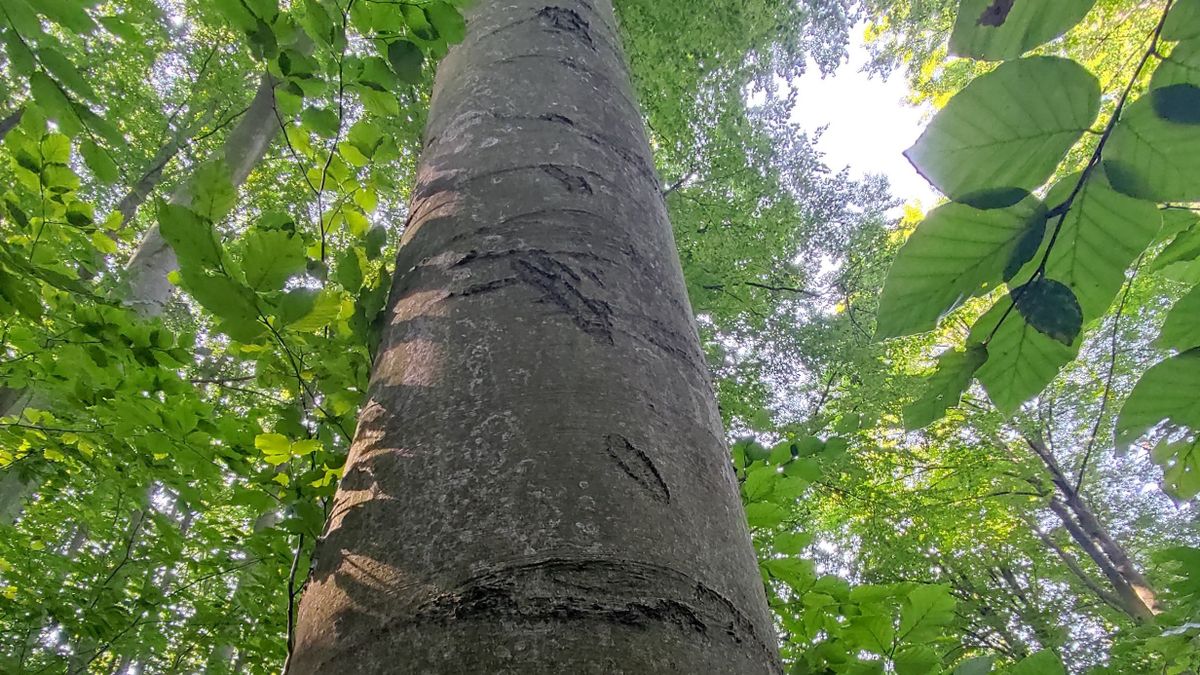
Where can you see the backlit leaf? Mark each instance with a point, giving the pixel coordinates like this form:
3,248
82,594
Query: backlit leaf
1008,128
1166,393
995,30
1021,359
1051,307
958,252
1151,158
945,387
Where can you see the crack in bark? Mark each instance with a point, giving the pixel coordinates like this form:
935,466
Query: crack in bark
551,589
638,466
596,139
572,182
560,287
567,21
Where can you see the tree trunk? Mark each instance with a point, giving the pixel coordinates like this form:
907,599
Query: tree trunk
9,121
146,272
539,482
1136,596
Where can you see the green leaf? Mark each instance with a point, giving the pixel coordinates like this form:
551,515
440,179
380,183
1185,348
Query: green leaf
99,162
997,30
418,22
1021,359
1041,663
447,20
1180,66
926,609
375,240
321,120
1166,393
945,388
56,105
19,295
1183,248
55,149
957,253
224,297
1179,103
349,270
23,19
68,14
1050,307
792,543
980,665
212,192
295,304
795,572
325,308
271,257
317,22
1151,158
405,59
1099,238
873,632
1180,462
64,71
272,444
191,236
19,56
917,660
1183,22
765,514
1008,128
1181,330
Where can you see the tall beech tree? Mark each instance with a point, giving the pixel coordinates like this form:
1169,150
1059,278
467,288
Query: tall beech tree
200,210
539,481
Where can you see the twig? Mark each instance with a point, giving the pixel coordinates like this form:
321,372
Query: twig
1112,366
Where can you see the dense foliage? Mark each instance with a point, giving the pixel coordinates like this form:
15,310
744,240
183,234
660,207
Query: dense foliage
168,449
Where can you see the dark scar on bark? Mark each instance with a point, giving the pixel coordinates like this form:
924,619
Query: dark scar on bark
637,465
559,285
571,181
996,13
567,21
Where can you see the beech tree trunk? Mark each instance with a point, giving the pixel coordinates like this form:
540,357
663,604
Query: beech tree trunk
539,481
146,272
1133,592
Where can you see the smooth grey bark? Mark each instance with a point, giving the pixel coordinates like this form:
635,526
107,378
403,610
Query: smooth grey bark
146,273
539,481
9,121
1136,596
148,289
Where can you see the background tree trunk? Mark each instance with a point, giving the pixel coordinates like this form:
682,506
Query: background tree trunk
148,288
540,481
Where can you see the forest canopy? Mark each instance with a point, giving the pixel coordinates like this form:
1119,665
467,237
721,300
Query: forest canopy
966,435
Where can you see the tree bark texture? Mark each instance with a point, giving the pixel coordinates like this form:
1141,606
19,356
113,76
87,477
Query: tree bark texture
146,272
1137,597
539,481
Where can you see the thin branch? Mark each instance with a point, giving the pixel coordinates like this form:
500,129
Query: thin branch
291,609
1108,380
1062,209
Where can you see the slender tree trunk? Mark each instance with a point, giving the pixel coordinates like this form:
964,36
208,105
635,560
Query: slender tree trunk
146,272
1073,565
539,482
1136,596
9,121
